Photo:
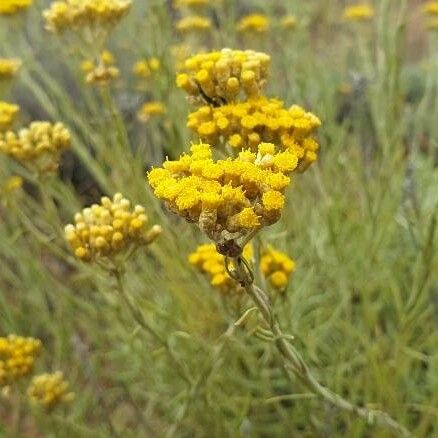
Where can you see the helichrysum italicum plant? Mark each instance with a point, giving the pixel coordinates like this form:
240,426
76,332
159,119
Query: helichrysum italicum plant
221,77
151,109
359,12
255,23
8,68
10,7
49,390
8,113
17,357
101,72
145,68
431,8
38,146
109,229
277,267
193,23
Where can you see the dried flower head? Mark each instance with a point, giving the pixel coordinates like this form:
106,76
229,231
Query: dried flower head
219,77
76,15
38,146
256,23
10,7
193,23
360,12
210,262
226,198
8,112
49,390
276,266
145,68
17,357
109,228
247,124
151,109
8,67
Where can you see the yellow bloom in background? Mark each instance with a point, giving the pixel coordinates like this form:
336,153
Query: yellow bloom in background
433,24
106,58
8,113
38,145
151,109
288,22
101,72
210,262
221,76
73,14
109,228
178,4
245,125
431,8
8,67
361,12
17,357
13,183
180,53
193,23
49,390
277,267
145,68
226,198
10,7
257,23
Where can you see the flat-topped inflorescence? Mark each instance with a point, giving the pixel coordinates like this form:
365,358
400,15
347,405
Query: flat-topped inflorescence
193,23
49,390
254,23
109,228
244,125
220,77
40,145
276,266
102,71
73,15
17,357
226,198
359,12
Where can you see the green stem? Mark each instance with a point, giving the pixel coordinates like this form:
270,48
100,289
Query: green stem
296,365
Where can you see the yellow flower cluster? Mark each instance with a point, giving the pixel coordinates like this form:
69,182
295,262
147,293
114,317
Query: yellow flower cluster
257,23
39,139
247,124
178,4
8,67
288,22
226,198
193,23
102,72
145,68
9,7
40,144
276,267
362,12
49,390
11,184
8,112
221,76
431,8
151,109
17,357
210,262
74,14
109,228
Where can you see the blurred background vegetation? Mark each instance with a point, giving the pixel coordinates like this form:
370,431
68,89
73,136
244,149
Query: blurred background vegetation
360,224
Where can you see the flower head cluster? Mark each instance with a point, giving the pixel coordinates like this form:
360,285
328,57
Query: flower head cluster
210,262
193,23
226,198
75,14
361,12
49,390
151,109
8,112
102,72
178,4
256,23
288,22
276,267
10,7
8,67
221,76
431,7
17,357
12,184
247,124
38,145
109,228
145,68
